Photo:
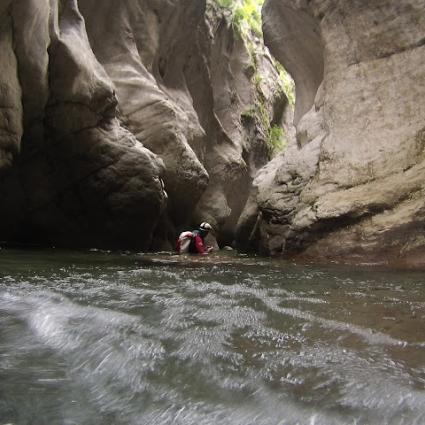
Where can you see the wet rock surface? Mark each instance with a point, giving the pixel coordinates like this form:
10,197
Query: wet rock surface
124,131
121,132
353,187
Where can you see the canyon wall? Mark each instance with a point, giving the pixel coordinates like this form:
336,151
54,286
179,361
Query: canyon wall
123,123
352,187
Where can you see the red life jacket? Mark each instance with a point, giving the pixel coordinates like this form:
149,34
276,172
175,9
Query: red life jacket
190,242
183,242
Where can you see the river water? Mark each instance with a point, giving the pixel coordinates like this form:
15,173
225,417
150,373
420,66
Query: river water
101,338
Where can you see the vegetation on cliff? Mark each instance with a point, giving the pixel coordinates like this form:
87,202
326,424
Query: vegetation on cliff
247,22
246,19
246,15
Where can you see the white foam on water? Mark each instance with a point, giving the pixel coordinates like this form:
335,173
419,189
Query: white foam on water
201,350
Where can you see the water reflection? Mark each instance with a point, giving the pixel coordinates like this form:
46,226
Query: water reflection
100,338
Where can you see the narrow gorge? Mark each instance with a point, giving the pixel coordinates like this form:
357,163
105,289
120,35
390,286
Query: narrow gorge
212,212
123,123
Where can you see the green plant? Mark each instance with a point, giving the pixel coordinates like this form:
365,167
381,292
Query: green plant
263,114
225,3
246,15
248,114
257,79
276,140
286,82
246,20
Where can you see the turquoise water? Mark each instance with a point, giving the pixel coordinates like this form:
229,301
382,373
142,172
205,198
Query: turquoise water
102,338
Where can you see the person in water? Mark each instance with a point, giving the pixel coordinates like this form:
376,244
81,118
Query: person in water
194,242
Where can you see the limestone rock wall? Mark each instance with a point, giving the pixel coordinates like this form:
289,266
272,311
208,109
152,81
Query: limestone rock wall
123,122
10,101
353,186
78,177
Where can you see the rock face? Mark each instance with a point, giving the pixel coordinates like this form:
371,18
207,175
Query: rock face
123,122
353,186
80,176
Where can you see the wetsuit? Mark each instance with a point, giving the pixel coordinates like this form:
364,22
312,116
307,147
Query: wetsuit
197,245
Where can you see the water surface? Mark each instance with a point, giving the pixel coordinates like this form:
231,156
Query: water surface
99,338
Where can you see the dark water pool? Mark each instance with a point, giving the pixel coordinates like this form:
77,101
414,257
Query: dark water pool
100,338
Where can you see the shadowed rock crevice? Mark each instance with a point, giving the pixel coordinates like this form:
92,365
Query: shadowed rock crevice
293,34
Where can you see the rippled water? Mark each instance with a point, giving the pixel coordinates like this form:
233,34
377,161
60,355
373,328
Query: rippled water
97,338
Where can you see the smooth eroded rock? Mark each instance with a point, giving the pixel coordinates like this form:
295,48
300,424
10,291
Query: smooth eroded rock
352,185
